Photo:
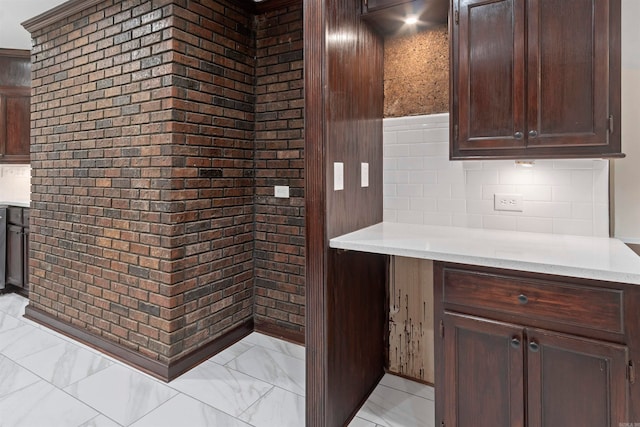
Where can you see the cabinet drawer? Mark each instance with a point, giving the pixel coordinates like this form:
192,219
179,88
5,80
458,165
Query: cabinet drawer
14,215
584,306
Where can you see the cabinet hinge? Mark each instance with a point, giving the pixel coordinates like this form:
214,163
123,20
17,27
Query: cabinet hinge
442,329
610,124
456,15
631,372
455,132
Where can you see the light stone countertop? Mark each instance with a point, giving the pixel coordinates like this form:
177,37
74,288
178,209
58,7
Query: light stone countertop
22,204
597,258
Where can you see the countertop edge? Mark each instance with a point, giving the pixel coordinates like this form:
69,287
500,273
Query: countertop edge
343,242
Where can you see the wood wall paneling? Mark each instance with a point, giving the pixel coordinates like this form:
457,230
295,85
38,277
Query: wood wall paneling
411,318
345,291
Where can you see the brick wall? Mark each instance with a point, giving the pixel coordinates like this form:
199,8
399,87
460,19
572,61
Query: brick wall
279,254
142,188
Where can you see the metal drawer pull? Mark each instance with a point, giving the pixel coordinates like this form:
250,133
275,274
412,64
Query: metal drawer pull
518,135
534,347
533,133
522,299
515,342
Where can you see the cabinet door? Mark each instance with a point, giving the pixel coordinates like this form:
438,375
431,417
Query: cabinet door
575,382
25,259
568,72
483,373
488,105
15,267
15,122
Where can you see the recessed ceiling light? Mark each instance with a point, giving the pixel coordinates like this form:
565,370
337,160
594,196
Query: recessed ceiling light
411,20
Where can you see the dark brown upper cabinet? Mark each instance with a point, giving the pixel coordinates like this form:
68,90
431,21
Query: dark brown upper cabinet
15,106
388,17
535,79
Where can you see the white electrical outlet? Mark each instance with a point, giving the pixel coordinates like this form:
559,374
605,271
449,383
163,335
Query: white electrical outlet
507,202
281,191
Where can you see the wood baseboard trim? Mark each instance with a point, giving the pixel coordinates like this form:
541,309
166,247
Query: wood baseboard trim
155,368
276,331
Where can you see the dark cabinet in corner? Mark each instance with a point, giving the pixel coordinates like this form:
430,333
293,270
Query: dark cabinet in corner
535,79
15,105
17,249
523,349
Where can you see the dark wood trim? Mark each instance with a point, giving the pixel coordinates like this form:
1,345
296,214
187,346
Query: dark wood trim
139,361
201,354
15,53
277,331
315,212
58,13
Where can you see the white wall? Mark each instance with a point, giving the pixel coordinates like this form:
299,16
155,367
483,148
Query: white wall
12,13
421,185
15,183
626,172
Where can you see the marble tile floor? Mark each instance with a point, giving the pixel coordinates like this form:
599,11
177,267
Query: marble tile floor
49,380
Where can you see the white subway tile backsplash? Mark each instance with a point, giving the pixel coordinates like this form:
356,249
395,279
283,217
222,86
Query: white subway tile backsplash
485,177
514,176
396,203
489,190
582,210
534,192
439,191
499,222
423,204
411,217
466,220
410,163
437,219
389,190
547,209
534,225
451,176
422,186
395,177
409,190
551,177
576,227
423,177
569,193
452,206
396,150
410,136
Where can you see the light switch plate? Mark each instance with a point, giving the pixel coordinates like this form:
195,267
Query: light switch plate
281,191
338,176
364,174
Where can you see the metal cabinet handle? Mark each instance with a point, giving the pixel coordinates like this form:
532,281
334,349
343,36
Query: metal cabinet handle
515,342
522,299
518,135
533,133
534,346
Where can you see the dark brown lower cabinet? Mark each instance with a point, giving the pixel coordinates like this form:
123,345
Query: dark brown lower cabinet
490,367
17,266
483,373
575,382
508,355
